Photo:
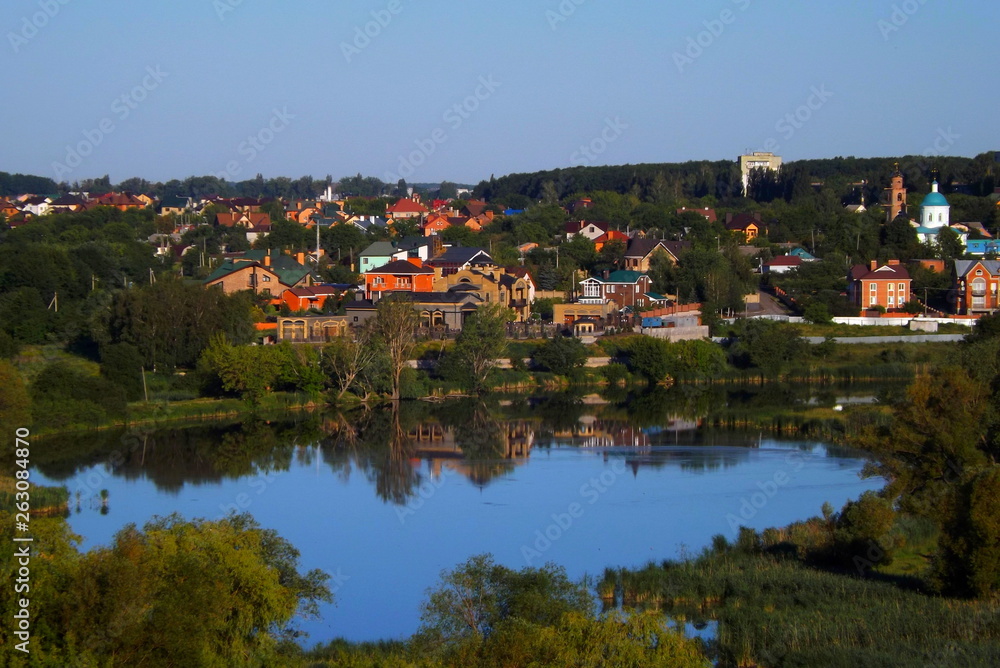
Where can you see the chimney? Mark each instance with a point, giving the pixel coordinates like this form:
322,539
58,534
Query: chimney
893,263
267,259
874,265
415,261
607,274
300,258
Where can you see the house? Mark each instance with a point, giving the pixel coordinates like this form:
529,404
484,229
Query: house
442,310
871,286
369,223
748,224
640,252
474,208
398,276
315,297
7,209
379,254
707,213
982,247
36,205
436,223
312,328
263,272
514,288
457,258
782,264
625,288
406,208
68,203
608,237
176,205
256,224
589,229
976,283
120,201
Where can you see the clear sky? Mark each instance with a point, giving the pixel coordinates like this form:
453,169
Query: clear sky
171,89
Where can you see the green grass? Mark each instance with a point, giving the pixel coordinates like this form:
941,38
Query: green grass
837,329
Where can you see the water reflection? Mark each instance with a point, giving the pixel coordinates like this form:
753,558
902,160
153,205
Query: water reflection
480,440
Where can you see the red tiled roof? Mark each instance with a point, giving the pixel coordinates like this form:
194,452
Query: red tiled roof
406,206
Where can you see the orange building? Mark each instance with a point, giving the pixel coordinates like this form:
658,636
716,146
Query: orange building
976,286
399,276
887,286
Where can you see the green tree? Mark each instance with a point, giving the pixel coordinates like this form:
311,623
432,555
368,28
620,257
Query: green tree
649,357
482,341
472,599
248,371
950,246
394,327
561,355
121,364
187,593
968,562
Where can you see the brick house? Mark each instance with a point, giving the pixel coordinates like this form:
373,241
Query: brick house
871,286
398,276
976,284
625,288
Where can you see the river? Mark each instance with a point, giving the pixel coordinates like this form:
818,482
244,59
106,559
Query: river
384,502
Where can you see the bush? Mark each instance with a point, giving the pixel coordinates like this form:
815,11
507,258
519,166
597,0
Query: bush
561,355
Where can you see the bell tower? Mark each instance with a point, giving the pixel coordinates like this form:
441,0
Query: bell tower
896,196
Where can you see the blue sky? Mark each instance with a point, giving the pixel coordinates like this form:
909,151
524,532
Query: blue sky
171,89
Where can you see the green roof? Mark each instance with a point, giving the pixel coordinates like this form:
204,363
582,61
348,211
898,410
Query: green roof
285,267
622,276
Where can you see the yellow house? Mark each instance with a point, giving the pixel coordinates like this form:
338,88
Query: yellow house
492,285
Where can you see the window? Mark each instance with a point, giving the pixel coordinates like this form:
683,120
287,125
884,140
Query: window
874,300
892,301
979,272
902,287
891,287
872,288
378,280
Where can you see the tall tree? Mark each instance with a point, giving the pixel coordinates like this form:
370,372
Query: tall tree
482,341
394,326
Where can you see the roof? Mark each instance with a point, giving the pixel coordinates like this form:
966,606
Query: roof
963,267
934,198
786,261
886,272
462,255
175,202
642,247
742,221
621,276
802,253
709,214
379,249
406,205
400,267
285,267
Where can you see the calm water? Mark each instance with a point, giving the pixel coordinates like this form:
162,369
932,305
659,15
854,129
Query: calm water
384,503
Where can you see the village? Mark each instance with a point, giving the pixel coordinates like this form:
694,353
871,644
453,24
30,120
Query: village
440,254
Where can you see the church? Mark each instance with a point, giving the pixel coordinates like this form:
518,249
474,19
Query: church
935,212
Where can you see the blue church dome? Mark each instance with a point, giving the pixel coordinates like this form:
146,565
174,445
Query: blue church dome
934,198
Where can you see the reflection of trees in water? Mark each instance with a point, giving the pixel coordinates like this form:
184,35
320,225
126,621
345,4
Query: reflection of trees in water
483,440
171,458
376,443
